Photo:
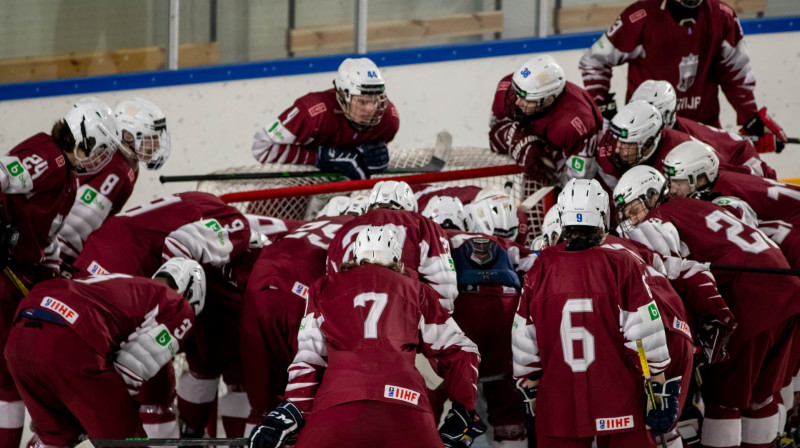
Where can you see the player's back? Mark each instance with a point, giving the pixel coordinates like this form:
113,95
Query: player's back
576,301
372,318
770,199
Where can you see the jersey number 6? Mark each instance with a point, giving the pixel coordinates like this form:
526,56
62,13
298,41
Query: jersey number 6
570,334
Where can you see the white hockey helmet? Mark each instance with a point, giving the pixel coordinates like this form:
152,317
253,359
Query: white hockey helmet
392,194
357,206
360,77
641,183
539,78
583,202
637,127
551,226
377,244
148,126
492,212
189,279
662,96
95,130
335,206
446,211
689,160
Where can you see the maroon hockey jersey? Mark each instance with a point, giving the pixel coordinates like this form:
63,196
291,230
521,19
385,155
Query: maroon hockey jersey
708,233
360,336
316,119
695,59
105,310
38,214
578,319
194,225
426,250
567,133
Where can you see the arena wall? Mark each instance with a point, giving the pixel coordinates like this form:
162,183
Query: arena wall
212,123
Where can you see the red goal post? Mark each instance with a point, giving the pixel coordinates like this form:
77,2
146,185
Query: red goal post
464,166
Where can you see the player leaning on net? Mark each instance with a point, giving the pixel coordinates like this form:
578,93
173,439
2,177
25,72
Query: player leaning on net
144,135
80,349
741,393
692,168
696,45
274,303
343,129
737,150
426,252
38,183
584,310
547,124
488,270
354,369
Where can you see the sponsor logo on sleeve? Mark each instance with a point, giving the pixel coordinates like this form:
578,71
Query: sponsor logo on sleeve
682,326
60,161
401,393
504,85
652,309
214,226
96,269
88,196
60,308
300,289
577,164
637,16
163,338
395,113
317,109
577,123
131,175
614,423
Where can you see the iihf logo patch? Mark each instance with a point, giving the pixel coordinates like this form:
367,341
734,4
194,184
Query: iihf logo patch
614,423
300,289
96,269
401,393
525,72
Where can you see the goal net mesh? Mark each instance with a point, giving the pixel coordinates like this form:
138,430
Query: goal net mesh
305,207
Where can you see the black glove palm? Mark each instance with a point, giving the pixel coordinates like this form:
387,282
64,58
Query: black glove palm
460,427
661,420
348,162
280,424
9,237
376,157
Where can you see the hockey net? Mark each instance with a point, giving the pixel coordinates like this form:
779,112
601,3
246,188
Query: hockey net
305,207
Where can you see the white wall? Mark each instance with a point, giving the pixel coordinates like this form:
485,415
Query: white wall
212,124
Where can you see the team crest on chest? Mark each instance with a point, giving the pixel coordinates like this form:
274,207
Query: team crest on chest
688,71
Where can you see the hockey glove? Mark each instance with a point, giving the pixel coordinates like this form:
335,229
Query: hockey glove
376,157
661,420
283,422
528,401
607,106
9,237
460,427
714,336
348,162
771,135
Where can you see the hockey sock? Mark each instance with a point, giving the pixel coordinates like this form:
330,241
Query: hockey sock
159,420
195,401
234,409
760,426
722,427
12,417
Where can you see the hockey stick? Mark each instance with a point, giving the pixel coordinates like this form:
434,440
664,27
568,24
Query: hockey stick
16,281
432,380
97,443
534,199
754,269
789,140
649,389
441,153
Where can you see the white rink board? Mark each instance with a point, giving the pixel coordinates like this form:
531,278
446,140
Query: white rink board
212,124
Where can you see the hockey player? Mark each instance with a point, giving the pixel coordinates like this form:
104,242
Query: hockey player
343,129
584,311
696,45
739,391
274,302
143,128
549,125
357,344
737,150
38,183
426,252
75,341
693,168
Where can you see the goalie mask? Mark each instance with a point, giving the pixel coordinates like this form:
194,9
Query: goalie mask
633,136
583,202
360,91
377,244
638,190
392,195
533,84
662,96
492,213
94,128
144,129
686,163
446,211
189,280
